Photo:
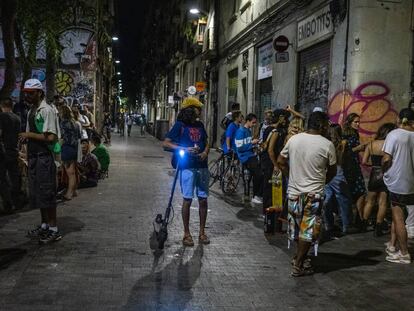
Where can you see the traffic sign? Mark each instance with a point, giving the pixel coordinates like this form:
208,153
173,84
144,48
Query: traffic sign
281,44
200,86
282,57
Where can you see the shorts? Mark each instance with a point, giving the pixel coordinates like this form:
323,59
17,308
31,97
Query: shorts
69,153
42,181
304,217
402,199
194,179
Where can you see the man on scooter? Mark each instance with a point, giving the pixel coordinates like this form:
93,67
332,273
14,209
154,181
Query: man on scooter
189,134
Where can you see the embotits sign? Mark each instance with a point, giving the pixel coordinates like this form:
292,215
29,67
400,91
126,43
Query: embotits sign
315,27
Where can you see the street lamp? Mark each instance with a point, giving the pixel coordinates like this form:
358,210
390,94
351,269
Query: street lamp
118,73
117,61
194,11
115,38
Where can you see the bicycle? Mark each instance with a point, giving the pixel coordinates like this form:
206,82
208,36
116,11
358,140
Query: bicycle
228,175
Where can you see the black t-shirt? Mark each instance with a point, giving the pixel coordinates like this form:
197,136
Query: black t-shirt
35,146
266,162
9,128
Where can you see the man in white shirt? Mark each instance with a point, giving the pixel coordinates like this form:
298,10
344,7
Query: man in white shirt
309,159
398,165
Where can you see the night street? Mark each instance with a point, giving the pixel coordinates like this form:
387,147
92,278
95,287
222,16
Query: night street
104,261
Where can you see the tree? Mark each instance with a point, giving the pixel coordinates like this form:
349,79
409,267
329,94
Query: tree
8,16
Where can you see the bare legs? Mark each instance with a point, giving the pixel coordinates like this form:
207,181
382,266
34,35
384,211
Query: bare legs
400,230
203,208
71,172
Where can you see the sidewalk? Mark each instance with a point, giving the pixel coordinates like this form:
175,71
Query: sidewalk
104,261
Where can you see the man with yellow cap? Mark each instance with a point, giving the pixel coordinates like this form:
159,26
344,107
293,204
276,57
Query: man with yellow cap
188,134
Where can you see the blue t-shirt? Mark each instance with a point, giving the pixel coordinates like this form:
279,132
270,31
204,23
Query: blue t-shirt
244,144
230,132
188,136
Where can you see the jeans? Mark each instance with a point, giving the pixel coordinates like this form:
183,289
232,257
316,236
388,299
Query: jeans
253,166
337,191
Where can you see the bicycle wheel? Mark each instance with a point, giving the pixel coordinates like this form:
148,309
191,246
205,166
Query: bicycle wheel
214,170
231,179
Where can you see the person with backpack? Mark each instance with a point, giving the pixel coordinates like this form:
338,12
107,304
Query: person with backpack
273,142
41,135
188,134
246,152
229,146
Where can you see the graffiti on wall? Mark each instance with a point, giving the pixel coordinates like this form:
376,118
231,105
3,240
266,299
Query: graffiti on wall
37,73
74,85
370,101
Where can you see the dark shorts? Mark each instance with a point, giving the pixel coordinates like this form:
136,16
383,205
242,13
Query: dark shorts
42,181
69,153
401,199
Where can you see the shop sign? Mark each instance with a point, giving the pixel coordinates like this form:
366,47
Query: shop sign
282,57
200,86
265,56
315,27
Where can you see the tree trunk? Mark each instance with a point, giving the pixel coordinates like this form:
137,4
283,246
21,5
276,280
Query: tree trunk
8,16
50,72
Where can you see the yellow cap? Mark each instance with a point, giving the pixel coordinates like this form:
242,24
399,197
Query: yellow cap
191,102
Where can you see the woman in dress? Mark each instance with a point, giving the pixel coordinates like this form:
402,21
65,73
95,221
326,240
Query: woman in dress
376,187
351,164
70,135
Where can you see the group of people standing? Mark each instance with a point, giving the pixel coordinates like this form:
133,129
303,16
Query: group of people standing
322,175
54,150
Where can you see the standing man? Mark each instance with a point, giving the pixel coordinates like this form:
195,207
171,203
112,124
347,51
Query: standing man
398,165
190,135
309,159
129,122
143,124
229,145
9,153
245,151
41,134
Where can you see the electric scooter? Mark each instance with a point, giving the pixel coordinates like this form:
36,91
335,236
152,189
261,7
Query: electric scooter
160,223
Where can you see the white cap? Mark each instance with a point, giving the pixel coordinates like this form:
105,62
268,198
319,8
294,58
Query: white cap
33,84
317,109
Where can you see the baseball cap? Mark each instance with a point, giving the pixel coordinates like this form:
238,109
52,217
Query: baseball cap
191,102
32,85
318,109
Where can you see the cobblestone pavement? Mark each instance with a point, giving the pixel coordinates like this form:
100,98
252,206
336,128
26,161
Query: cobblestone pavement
104,261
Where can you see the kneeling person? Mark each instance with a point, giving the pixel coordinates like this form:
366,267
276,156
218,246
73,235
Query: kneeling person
189,134
88,168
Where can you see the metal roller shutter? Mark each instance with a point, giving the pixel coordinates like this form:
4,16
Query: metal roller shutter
313,84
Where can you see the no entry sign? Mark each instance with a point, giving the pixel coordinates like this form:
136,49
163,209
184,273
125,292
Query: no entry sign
281,44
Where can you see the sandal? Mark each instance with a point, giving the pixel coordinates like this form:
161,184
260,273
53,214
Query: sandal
204,239
188,240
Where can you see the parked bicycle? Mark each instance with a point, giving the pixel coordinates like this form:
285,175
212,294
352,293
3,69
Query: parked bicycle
226,169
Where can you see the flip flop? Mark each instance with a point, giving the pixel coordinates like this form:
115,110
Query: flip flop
188,241
204,239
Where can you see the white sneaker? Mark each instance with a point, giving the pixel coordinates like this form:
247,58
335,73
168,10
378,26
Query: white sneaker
399,258
257,200
389,249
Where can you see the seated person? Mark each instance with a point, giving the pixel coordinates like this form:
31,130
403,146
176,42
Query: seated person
88,168
101,153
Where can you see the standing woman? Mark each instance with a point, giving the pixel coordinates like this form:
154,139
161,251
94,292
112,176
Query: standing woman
376,188
351,164
70,135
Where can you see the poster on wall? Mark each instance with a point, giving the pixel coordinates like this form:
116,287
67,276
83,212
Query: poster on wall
265,56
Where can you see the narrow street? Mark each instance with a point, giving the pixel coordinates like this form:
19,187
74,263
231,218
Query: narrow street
104,261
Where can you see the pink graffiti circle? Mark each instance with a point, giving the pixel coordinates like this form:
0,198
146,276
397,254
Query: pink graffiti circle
358,93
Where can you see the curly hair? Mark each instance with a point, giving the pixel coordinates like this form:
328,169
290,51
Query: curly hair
187,115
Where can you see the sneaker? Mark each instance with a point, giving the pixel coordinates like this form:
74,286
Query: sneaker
397,257
51,236
307,263
37,232
257,200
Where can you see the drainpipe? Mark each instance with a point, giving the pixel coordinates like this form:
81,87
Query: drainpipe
215,76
